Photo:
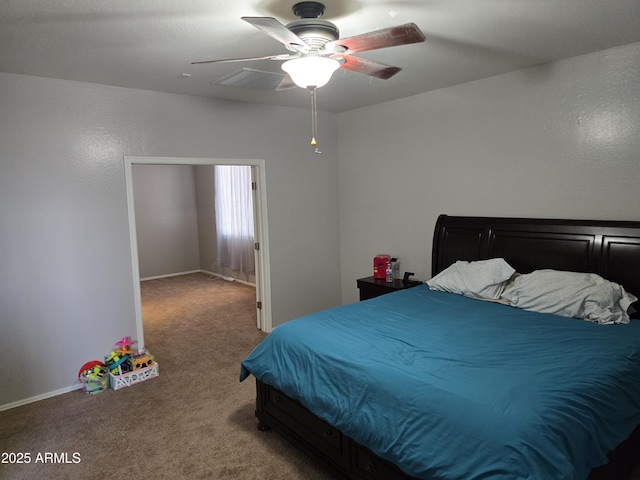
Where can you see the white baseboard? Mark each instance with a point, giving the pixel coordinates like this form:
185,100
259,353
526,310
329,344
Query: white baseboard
218,275
170,275
37,398
214,274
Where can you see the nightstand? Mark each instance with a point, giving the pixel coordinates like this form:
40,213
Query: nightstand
374,287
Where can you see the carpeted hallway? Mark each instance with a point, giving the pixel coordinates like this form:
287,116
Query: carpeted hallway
195,421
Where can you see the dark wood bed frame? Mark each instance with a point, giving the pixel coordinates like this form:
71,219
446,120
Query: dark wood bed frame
608,248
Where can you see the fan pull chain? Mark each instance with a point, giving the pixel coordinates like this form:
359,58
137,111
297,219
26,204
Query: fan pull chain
314,119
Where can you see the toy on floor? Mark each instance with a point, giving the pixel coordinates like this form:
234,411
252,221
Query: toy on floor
142,359
123,367
119,360
117,363
94,377
124,346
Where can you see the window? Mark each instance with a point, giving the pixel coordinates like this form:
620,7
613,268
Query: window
234,217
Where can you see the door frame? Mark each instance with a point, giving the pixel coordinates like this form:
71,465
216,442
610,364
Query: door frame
263,272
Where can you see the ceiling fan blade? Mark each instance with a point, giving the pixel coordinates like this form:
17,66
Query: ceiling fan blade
284,56
286,83
368,67
387,37
277,30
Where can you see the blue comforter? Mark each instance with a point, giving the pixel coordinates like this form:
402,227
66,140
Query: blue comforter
448,387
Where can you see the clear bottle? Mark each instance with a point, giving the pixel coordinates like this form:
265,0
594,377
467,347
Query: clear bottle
389,273
395,267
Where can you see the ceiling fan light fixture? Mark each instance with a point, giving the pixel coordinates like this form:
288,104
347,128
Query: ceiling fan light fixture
311,71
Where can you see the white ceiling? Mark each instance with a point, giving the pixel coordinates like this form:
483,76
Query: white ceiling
149,44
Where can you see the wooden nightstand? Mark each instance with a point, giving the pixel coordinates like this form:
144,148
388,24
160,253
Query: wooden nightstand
374,287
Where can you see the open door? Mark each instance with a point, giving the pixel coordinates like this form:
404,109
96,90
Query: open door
262,278
261,250
257,241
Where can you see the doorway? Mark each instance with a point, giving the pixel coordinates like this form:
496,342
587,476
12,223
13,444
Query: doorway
262,274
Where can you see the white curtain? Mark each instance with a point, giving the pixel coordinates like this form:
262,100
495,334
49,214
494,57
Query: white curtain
234,218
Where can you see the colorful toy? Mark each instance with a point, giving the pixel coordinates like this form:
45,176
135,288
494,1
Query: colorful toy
120,369
89,366
117,363
142,359
124,345
94,377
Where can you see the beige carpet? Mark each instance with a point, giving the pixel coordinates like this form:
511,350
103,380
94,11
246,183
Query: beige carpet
194,421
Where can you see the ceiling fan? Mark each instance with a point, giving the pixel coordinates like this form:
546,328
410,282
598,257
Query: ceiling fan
316,49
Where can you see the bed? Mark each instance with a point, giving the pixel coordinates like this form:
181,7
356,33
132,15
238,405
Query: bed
435,385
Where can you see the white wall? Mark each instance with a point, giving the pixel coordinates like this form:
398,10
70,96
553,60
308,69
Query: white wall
175,220
66,288
166,219
205,200
561,141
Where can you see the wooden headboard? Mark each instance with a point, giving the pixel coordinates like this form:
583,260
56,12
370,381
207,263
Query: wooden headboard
609,248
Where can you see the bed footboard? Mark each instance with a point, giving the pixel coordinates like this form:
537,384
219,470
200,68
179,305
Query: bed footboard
343,455
349,459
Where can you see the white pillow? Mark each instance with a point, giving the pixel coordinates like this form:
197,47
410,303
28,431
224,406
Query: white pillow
571,294
479,279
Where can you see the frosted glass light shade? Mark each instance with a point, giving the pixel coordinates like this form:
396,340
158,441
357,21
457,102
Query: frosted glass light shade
311,71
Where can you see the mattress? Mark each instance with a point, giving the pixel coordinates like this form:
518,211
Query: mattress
450,387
